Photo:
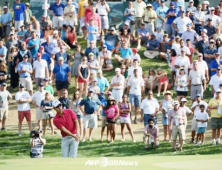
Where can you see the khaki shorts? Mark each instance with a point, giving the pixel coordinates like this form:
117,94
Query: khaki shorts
3,113
27,82
216,123
57,21
39,114
90,121
75,20
194,124
103,121
178,130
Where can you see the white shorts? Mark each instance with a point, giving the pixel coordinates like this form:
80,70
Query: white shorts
82,24
90,121
124,119
194,124
57,22
75,20
39,114
117,94
18,24
104,22
68,22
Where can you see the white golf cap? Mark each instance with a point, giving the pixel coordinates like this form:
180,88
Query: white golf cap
5,7
218,91
55,103
176,103
183,100
117,70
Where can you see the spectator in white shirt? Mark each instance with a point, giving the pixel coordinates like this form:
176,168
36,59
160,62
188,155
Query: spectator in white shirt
133,67
198,19
215,81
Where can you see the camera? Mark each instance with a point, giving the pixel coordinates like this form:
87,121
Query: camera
35,133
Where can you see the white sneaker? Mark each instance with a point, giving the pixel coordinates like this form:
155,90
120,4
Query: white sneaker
138,47
213,142
158,95
196,144
134,140
90,139
83,140
123,140
218,141
19,134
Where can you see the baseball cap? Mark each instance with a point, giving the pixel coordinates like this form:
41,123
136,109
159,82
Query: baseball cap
111,98
217,53
21,85
172,37
198,95
95,79
172,4
209,19
90,90
61,58
109,92
91,54
5,7
55,103
181,68
162,0
182,11
45,79
142,24
204,30
188,10
126,23
211,40
112,29
149,5
41,84
218,91
190,0
41,47
202,105
218,68
22,26
25,56
189,25
158,28
183,50
39,55
176,103
55,32
200,55
183,100
134,50
99,71
212,8
117,70
104,46
4,84
153,35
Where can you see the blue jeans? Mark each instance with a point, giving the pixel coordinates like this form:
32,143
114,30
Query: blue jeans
147,117
135,99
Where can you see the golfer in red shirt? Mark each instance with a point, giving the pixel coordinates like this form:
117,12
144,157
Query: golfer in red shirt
66,121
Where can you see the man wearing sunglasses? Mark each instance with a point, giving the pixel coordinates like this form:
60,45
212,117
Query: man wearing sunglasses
67,122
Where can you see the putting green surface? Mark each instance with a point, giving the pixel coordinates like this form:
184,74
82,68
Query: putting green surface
197,162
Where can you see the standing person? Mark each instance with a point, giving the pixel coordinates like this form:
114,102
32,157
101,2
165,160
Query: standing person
171,15
135,90
165,106
149,17
196,109
102,82
66,121
25,71
198,19
29,13
139,6
48,87
130,16
112,113
62,74
186,109
33,45
20,14
161,15
215,81
103,11
6,19
46,107
92,32
37,98
3,51
36,26
197,81
202,119
117,83
216,117
90,112
5,96
77,56
68,14
84,73
149,109
40,70
65,99
76,99
23,99
177,125
124,116
57,11
62,53
81,13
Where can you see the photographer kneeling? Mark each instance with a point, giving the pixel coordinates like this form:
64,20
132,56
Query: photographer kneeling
36,144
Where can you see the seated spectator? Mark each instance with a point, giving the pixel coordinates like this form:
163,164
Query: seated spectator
71,37
124,38
125,53
143,35
151,135
105,59
152,47
21,32
92,49
125,27
150,80
64,55
48,31
135,55
162,81
215,64
159,35
93,65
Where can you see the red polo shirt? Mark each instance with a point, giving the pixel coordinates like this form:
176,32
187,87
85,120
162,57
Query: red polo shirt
66,120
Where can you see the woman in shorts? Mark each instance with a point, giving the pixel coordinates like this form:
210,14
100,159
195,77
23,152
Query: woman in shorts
182,84
112,112
124,111
162,81
151,80
46,106
76,99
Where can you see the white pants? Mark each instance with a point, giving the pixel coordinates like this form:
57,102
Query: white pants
150,27
70,22
117,94
57,22
69,147
18,24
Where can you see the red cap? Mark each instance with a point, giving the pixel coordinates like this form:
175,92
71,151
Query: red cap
39,55
41,48
134,50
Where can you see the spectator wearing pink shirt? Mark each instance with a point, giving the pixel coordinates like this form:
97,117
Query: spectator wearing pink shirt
151,135
96,18
112,112
177,118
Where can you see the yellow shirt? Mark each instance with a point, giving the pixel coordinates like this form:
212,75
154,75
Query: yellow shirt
69,8
148,14
139,8
214,112
82,5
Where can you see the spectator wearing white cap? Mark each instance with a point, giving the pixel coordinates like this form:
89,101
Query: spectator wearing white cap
177,118
205,7
117,83
215,18
149,17
198,18
218,34
192,8
182,61
215,81
6,19
186,109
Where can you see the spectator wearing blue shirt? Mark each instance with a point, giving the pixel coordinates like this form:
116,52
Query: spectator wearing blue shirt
202,45
209,53
214,64
45,56
125,53
34,44
19,14
25,70
171,15
90,112
110,40
62,74
64,55
3,51
143,35
92,49
161,15
21,32
152,47
156,4
102,82
6,19
211,30
92,31
57,10
130,13
48,45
